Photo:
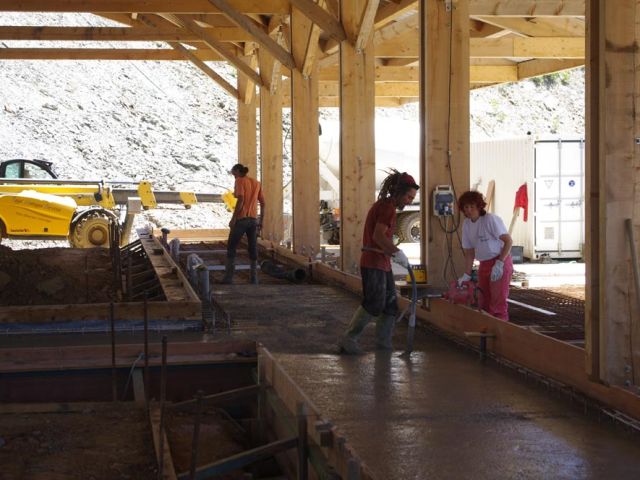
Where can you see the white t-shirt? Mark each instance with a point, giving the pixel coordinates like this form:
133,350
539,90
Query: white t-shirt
483,236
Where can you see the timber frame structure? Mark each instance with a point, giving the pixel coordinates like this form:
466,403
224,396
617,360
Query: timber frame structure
359,54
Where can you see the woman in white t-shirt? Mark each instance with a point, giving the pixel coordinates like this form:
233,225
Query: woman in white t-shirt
485,237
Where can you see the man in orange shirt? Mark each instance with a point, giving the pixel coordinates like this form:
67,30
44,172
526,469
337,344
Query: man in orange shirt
245,220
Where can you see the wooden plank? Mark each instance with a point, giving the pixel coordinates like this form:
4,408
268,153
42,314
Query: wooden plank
205,69
309,63
527,8
340,454
444,143
322,18
271,148
539,27
40,359
174,283
119,34
394,10
304,143
176,310
196,235
259,35
533,68
158,54
221,48
357,135
262,7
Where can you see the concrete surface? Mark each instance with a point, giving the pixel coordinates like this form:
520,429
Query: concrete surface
445,415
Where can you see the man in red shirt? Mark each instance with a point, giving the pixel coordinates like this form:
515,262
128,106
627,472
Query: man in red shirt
248,192
378,286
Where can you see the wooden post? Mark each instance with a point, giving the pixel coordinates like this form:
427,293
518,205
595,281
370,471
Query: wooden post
247,109
612,166
304,140
271,147
357,134
444,115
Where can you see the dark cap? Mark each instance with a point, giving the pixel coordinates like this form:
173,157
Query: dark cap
408,180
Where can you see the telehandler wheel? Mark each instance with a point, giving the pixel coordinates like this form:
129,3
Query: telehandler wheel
91,230
409,227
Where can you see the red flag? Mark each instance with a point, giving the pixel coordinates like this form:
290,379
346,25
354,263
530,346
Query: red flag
522,200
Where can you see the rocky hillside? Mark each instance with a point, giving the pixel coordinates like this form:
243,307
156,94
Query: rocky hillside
169,123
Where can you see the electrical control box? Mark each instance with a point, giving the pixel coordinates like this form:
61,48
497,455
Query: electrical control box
444,201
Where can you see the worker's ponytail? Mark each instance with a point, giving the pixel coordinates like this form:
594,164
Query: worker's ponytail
396,184
240,169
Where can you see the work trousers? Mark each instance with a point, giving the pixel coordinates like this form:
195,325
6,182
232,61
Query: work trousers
246,225
379,291
493,295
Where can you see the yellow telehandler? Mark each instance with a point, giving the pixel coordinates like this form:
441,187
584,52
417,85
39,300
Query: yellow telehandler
35,204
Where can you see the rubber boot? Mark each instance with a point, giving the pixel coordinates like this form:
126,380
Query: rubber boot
254,272
230,267
349,342
384,331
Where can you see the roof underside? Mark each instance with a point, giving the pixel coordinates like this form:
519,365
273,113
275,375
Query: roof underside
509,41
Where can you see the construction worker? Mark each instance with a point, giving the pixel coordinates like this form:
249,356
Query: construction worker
485,237
380,302
245,220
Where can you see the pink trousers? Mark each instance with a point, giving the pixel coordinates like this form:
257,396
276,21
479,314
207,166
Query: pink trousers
493,295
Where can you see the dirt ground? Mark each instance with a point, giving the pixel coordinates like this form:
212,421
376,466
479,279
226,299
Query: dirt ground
574,291
54,276
102,442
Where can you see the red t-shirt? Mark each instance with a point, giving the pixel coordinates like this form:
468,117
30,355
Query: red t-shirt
383,211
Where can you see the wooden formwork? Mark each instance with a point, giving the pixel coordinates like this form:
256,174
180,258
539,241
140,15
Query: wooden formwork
78,379
181,303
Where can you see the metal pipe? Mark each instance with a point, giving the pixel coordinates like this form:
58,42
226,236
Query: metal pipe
163,393
114,373
196,435
296,275
174,249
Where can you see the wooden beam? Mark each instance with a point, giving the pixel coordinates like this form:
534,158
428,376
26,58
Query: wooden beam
304,142
534,68
205,55
366,24
322,18
444,119
312,48
247,129
357,133
221,48
613,162
393,10
119,34
539,27
382,74
256,32
527,8
271,148
206,69
148,6
406,45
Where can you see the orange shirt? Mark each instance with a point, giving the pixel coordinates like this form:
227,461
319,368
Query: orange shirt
249,189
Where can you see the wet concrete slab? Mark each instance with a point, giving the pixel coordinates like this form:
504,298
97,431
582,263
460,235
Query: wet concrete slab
443,414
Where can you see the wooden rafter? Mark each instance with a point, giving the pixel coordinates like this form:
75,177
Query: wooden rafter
392,11
117,34
366,24
256,32
221,48
318,15
539,27
165,54
148,6
205,69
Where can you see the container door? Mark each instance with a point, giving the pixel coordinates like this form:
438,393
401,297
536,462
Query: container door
559,198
